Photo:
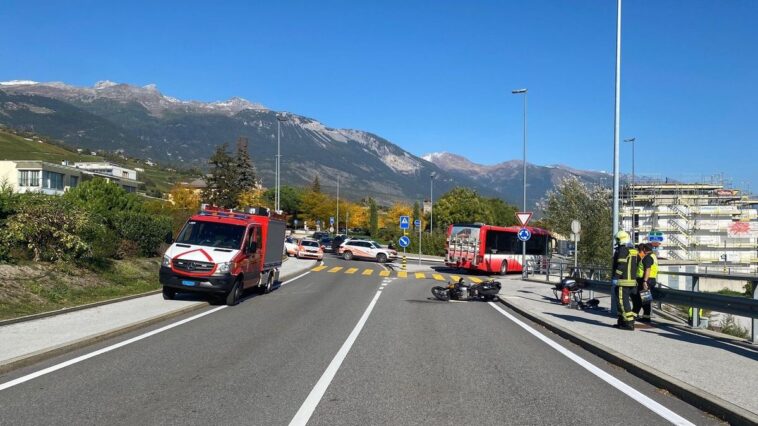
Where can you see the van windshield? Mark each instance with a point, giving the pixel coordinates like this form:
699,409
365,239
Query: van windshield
211,234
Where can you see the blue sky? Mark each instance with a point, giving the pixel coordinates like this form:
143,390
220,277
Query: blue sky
436,75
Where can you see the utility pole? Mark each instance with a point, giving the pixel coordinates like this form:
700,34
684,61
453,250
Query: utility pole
524,92
432,175
634,232
279,119
338,206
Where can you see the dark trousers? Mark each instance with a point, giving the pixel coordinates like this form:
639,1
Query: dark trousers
637,303
625,313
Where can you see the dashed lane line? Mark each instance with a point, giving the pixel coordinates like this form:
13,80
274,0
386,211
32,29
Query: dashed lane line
351,270
368,272
335,269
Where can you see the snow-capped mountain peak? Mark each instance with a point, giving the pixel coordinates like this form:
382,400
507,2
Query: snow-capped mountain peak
17,83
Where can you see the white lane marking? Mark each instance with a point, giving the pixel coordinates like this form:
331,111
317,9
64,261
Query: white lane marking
78,359
311,402
293,279
84,357
616,383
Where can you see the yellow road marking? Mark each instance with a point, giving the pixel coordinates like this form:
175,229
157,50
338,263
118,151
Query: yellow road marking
319,268
455,278
475,280
384,273
368,272
420,275
351,270
438,277
402,274
335,269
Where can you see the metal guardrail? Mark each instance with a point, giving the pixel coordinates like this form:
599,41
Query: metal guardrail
733,305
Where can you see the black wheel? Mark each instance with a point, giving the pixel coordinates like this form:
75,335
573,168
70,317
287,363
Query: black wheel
348,255
169,293
233,297
504,267
441,293
381,258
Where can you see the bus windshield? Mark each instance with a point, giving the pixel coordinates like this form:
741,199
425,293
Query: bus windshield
464,235
211,234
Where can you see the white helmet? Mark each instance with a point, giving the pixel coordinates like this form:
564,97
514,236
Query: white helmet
622,237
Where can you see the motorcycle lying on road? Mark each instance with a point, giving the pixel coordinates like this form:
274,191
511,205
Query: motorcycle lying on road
461,290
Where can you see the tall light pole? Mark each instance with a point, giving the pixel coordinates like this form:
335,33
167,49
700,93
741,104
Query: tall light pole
338,206
524,92
617,123
279,119
432,176
634,234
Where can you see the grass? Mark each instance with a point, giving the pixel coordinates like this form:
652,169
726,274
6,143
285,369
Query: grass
53,287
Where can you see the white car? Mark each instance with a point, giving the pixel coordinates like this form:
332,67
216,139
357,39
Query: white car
366,249
290,246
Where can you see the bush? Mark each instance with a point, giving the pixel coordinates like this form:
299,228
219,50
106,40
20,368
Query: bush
52,228
147,231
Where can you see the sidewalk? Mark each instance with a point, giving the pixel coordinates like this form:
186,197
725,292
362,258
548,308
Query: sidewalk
26,342
719,367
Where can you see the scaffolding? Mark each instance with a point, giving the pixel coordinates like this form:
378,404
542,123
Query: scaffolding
702,222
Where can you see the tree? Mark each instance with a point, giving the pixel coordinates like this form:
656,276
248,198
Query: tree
392,219
416,211
571,199
316,186
290,198
184,198
221,183
103,198
461,205
246,177
373,218
503,214
254,197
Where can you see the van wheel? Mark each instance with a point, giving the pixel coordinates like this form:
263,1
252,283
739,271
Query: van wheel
348,255
266,289
233,297
381,258
504,268
169,293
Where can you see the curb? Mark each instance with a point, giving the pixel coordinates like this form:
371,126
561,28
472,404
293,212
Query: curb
697,397
43,354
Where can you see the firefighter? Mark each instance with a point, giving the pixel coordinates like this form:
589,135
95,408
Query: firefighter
624,271
647,273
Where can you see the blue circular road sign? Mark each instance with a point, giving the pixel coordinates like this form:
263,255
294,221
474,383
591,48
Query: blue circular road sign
524,234
404,241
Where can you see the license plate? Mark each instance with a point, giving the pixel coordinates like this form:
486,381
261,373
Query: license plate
188,283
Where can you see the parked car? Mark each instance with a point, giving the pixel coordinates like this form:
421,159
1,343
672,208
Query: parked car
366,249
326,244
310,249
290,246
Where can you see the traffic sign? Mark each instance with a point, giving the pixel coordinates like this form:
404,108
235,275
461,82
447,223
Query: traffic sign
404,241
655,236
331,220
524,234
576,226
331,229
417,223
523,217
405,222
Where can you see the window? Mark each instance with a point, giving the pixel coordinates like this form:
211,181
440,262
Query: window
73,181
537,245
129,188
211,234
502,242
52,180
125,174
28,178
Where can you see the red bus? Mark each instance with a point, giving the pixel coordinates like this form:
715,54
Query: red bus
489,248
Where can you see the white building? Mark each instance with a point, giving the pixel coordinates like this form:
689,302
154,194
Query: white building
39,176
108,169
700,223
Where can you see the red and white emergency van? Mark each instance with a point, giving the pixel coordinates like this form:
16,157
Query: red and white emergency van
223,252
493,249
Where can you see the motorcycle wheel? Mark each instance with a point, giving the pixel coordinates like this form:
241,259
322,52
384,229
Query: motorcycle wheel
441,293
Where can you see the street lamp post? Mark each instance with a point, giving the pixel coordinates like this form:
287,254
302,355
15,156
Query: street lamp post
524,92
634,233
617,124
432,175
279,119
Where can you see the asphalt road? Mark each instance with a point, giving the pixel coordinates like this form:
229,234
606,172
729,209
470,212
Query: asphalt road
414,361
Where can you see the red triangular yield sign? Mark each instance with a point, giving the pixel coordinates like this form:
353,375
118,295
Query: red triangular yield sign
523,217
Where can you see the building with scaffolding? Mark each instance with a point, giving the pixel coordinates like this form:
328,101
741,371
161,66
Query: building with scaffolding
707,224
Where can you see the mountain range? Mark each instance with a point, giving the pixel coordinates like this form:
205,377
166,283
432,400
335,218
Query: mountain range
142,122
